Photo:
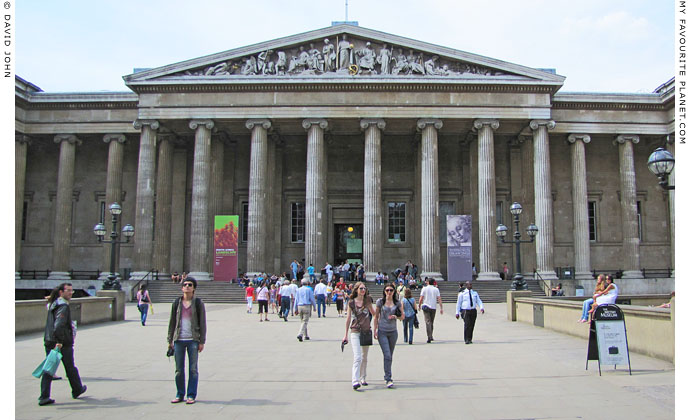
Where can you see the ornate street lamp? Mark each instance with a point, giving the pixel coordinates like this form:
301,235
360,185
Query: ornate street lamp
501,231
127,231
661,163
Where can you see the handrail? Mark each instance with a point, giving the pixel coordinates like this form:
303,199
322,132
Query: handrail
542,283
135,287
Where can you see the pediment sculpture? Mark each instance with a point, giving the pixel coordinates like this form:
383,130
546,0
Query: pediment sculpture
344,57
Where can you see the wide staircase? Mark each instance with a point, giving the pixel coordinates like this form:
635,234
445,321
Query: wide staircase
224,292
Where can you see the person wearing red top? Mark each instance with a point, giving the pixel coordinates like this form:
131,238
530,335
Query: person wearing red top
250,297
341,284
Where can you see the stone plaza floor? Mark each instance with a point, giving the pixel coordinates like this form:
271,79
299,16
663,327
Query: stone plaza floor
253,370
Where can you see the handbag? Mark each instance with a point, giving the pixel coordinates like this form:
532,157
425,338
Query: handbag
415,322
49,365
366,338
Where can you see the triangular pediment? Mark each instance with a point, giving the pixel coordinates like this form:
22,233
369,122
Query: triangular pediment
341,53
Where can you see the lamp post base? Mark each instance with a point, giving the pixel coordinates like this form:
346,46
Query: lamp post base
519,282
111,283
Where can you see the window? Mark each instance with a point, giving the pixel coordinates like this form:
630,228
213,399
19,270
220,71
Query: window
639,219
25,212
245,221
101,209
396,222
592,216
499,213
445,208
298,219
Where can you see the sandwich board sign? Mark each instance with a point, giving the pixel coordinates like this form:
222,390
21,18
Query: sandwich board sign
608,338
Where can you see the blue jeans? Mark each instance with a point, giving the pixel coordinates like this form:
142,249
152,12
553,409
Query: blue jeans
321,303
408,325
586,306
285,305
144,309
192,349
312,278
387,343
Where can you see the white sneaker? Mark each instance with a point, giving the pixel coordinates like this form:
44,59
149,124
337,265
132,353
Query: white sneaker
389,384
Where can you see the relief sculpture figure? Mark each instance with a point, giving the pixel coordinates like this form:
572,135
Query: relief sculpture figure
430,67
281,63
367,58
384,59
262,58
400,63
315,59
415,63
344,49
328,56
249,67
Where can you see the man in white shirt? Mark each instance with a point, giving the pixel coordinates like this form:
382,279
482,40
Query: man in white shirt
428,299
286,297
329,271
320,294
468,302
293,289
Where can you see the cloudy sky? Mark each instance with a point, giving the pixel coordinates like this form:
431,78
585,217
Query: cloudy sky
600,46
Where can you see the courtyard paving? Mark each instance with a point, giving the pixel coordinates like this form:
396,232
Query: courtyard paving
259,370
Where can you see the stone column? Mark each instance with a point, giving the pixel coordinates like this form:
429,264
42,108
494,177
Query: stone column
113,194
21,143
161,250
543,201
373,204
143,219
580,211
631,238
63,207
179,210
315,206
486,198
430,245
258,173
215,200
201,176
672,207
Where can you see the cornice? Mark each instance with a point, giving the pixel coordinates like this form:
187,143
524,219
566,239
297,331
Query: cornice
603,106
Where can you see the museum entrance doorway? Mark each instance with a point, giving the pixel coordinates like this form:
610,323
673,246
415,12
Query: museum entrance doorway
348,243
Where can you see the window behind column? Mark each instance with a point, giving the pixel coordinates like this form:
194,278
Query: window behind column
592,218
25,212
396,221
298,221
639,219
245,221
499,213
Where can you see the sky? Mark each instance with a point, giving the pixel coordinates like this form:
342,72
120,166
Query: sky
600,46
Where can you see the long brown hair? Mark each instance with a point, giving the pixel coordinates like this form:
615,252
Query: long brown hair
55,293
355,291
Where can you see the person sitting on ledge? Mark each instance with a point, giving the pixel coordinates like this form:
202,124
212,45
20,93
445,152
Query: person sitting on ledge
668,305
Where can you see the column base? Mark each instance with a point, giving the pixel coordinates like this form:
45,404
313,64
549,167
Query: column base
488,275
546,276
370,275
139,275
168,276
17,276
200,275
632,274
432,275
583,275
104,276
59,275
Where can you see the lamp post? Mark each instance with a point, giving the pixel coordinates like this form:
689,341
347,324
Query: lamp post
127,231
532,230
661,163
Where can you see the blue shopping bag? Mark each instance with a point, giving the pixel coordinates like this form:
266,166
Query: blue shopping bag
49,365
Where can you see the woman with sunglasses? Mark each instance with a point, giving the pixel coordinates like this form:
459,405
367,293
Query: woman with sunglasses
359,306
187,333
388,309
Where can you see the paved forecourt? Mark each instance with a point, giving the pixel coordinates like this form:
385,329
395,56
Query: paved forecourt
256,370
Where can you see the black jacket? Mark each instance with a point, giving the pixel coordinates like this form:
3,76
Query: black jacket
59,324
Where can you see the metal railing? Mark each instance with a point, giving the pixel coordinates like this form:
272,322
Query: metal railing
542,284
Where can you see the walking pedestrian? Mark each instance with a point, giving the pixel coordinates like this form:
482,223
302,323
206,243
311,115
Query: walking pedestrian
310,271
262,295
468,302
143,301
286,296
339,300
249,295
358,323
410,309
388,309
59,333
428,299
304,302
272,293
187,333
294,266
320,293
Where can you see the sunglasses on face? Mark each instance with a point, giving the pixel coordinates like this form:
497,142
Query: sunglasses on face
389,290
187,284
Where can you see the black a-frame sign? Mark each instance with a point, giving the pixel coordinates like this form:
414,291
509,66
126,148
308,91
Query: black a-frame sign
608,338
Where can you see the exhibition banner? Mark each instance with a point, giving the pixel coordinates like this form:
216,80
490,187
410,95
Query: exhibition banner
225,240
459,240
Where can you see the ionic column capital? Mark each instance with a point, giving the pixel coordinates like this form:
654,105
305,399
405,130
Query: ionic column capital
194,124
573,138
422,123
365,123
626,137
535,124
22,138
307,123
153,124
263,122
120,138
69,138
481,122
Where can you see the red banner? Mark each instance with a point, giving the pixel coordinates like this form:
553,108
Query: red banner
225,240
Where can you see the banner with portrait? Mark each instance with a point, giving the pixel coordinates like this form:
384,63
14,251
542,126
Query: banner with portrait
459,239
225,241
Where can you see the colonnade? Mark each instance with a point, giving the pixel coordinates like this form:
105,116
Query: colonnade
167,186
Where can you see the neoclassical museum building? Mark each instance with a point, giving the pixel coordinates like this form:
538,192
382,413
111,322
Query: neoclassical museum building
342,143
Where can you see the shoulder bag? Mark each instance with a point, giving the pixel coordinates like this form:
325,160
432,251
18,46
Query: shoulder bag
366,338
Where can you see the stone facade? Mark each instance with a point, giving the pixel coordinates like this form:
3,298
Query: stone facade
436,138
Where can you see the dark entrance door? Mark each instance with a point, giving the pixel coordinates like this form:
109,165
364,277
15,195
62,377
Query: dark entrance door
348,243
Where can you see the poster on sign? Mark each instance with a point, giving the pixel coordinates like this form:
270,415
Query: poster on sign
459,239
608,340
225,240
